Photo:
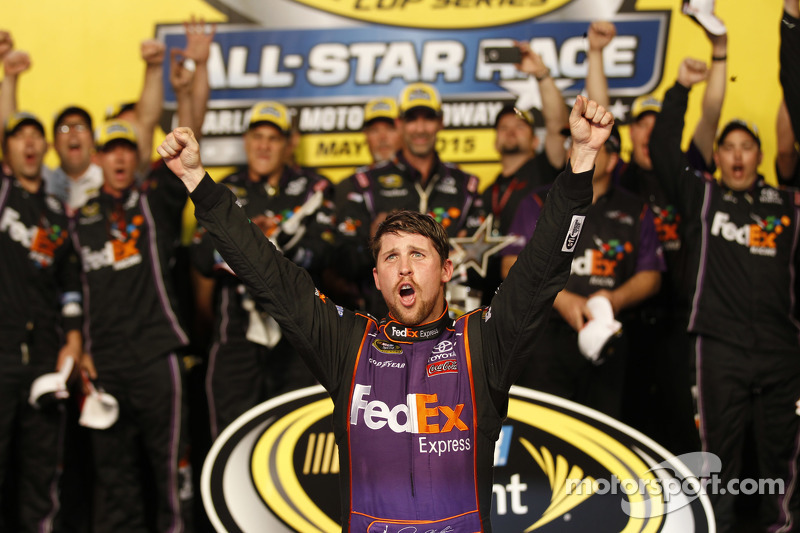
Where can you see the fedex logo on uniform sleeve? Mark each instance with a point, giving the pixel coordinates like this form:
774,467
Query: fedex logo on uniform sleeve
419,414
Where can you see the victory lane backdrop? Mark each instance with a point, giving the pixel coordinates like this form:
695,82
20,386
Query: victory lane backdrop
89,51
276,469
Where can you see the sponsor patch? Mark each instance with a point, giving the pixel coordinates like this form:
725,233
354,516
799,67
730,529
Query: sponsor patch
297,187
448,366
390,181
387,347
573,234
770,196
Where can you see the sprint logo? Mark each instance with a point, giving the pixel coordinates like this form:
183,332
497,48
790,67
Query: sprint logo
759,237
419,414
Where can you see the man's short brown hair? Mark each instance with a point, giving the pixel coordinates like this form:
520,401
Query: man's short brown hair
415,223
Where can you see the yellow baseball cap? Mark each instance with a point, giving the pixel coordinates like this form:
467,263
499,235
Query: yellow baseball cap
380,108
420,95
22,118
115,130
643,105
272,113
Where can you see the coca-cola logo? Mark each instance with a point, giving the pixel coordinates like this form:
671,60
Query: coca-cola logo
442,367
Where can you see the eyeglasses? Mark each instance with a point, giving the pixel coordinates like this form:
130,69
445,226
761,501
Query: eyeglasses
77,128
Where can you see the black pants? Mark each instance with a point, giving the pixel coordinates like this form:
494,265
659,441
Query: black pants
242,374
558,367
148,437
31,442
738,389
657,399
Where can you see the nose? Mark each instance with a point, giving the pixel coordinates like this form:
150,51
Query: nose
405,267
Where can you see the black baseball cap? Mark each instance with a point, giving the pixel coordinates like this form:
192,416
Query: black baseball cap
509,109
72,110
22,118
738,124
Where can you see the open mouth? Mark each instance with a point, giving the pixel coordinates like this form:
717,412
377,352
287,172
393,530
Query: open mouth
407,294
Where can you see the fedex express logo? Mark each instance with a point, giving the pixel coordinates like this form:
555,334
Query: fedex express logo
41,242
759,237
419,414
411,333
601,263
667,221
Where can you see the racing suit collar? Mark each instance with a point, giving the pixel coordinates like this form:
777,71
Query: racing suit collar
398,332
415,174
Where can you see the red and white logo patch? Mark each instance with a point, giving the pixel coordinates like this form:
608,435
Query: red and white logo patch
442,367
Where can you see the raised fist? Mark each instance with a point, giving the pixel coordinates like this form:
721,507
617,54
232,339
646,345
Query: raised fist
600,34
153,52
17,62
692,71
590,124
6,44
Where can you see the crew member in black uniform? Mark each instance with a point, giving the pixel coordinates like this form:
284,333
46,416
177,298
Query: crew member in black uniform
743,238
380,128
127,236
523,168
658,386
414,179
250,360
788,168
40,328
618,256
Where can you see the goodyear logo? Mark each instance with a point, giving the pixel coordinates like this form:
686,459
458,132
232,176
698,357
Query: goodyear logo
444,14
276,469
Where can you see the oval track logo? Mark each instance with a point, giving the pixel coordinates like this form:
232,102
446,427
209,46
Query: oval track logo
439,14
559,467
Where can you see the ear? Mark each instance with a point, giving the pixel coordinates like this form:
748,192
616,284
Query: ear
447,270
535,143
293,141
375,276
611,164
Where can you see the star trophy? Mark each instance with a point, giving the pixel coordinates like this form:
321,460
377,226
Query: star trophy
472,252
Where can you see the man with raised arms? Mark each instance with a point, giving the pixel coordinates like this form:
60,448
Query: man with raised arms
419,399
